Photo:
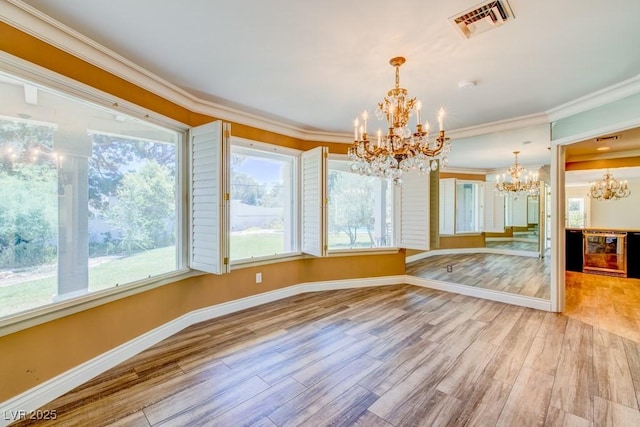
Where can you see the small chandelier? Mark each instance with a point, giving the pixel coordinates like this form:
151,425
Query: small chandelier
609,188
521,182
399,150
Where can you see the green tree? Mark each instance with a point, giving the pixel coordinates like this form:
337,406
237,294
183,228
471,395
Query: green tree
111,155
144,210
28,225
246,189
350,206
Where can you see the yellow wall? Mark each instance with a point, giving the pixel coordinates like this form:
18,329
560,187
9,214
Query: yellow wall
621,162
462,241
34,355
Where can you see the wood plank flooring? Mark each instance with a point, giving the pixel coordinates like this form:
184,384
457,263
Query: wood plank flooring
389,356
513,245
520,275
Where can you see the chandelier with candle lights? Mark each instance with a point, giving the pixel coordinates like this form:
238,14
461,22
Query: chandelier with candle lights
609,188
520,182
399,149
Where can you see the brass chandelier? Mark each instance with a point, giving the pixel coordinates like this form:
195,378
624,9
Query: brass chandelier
521,182
609,188
399,150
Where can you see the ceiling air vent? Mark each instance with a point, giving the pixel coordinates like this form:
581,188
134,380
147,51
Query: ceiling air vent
482,17
609,138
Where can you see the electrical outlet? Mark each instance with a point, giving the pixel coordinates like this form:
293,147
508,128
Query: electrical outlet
258,277
449,268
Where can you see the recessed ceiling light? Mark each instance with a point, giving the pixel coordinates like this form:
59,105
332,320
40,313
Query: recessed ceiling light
603,148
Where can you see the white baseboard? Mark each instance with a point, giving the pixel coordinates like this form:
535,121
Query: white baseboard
44,393
499,296
511,239
459,251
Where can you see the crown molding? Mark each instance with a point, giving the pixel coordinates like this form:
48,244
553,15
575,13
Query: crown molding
37,24
596,99
594,133
469,171
500,126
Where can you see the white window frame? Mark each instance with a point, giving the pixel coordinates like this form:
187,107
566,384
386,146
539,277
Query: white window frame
479,207
295,194
449,207
23,70
382,249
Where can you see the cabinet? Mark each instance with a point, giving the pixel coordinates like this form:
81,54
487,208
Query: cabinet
633,254
574,250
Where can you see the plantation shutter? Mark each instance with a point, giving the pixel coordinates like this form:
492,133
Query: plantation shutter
493,210
447,196
412,212
208,230
314,201
518,211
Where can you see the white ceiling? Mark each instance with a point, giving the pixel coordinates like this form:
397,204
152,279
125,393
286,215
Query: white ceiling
316,65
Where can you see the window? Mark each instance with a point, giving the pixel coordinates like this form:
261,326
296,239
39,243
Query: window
360,209
461,206
467,207
88,198
263,203
575,212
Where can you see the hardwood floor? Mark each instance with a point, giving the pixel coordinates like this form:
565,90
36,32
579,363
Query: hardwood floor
520,275
389,356
513,245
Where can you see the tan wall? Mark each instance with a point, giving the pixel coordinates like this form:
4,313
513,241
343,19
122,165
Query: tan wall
34,355
603,164
459,242
508,232
410,252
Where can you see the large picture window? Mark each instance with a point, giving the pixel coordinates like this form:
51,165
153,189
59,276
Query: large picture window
360,209
461,206
468,207
262,209
88,197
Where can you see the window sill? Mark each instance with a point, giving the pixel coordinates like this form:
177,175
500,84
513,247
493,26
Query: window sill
65,307
363,251
255,262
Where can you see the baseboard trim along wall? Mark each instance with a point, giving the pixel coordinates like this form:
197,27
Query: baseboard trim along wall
40,395
496,251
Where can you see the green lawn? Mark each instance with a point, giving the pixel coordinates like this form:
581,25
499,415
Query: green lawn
117,271
243,246
36,293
